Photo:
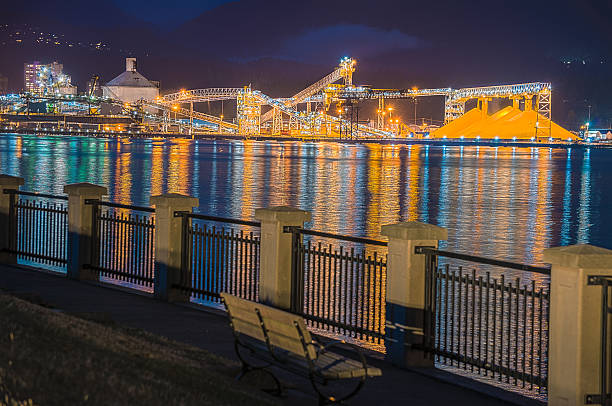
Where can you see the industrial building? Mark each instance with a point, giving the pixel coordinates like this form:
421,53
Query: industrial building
131,86
528,119
30,72
47,79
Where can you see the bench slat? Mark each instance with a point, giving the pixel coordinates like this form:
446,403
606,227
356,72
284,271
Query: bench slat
243,316
283,333
248,328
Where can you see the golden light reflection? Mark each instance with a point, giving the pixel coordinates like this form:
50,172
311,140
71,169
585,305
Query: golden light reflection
249,185
374,171
123,174
157,168
542,218
412,204
18,147
179,166
501,202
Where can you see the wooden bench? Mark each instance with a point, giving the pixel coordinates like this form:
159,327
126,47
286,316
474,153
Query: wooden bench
278,338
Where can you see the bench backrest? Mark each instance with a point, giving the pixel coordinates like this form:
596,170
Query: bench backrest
284,330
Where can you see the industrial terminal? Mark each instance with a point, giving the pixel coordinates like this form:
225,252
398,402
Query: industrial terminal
131,104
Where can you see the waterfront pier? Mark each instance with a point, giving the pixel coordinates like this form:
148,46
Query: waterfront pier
521,332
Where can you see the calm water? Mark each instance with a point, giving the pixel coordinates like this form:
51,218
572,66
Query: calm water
496,201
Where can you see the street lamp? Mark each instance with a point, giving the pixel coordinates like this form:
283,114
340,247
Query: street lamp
175,108
588,123
586,132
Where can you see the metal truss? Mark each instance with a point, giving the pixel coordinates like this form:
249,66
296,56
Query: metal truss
522,89
277,122
191,114
201,95
248,112
380,118
454,105
453,109
344,70
544,105
309,122
367,93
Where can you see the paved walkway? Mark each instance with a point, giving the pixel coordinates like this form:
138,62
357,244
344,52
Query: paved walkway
209,330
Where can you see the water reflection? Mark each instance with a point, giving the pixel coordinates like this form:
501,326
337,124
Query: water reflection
496,201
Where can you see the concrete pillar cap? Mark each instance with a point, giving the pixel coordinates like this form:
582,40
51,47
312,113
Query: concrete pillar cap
8,181
579,256
284,214
84,188
175,200
414,230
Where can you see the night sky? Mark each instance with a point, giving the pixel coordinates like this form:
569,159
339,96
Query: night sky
280,47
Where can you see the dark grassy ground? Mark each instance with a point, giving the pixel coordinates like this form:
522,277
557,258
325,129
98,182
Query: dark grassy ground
51,358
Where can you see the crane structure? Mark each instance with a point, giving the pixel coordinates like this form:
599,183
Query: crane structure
285,117
343,71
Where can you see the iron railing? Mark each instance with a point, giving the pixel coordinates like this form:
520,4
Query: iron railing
219,259
492,326
339,289
38,227
604,397
123,242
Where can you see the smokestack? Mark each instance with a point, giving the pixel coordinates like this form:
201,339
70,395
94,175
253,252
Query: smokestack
130,64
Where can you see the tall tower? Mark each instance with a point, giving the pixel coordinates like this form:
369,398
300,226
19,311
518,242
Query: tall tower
31,71
248,110
347,67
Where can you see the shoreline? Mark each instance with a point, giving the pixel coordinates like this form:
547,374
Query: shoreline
230,137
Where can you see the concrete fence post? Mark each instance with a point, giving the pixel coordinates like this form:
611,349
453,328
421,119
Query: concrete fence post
6,228
406,291
169,244
574,351
275,253
80,217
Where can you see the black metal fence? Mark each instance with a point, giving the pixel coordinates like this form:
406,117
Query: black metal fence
219,259
339,289
38,227
123,243
492,326
604,397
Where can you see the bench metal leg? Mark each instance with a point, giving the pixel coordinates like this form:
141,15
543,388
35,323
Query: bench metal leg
246,368
326,400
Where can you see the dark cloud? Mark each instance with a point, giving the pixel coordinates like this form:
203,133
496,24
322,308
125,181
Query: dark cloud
166,14
330,43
